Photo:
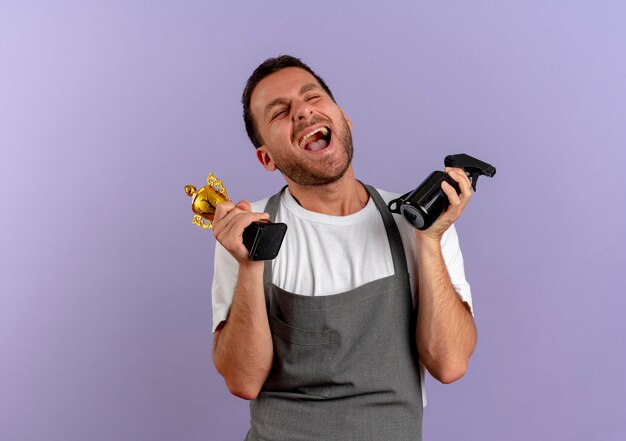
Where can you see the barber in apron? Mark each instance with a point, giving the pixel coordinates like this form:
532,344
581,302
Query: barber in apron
346,365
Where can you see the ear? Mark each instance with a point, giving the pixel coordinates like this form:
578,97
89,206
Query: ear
263,155
347,119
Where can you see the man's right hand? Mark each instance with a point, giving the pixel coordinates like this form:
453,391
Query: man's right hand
229,222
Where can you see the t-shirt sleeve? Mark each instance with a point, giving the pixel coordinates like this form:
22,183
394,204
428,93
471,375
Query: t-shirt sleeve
226,270
453,259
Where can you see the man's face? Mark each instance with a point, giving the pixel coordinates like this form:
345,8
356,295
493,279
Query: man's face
305,134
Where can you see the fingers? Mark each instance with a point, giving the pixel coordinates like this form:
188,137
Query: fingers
233,219
464,184
229,222
451,193
244,205
457,203
459,175
230,230
223,209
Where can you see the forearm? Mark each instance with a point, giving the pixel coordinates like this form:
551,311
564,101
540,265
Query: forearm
243,345
445,332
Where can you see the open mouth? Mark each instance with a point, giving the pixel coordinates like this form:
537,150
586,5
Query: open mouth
316,140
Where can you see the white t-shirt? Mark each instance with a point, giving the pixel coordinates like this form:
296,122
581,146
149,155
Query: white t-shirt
323,254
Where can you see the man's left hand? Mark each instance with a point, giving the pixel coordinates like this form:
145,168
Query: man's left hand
456,207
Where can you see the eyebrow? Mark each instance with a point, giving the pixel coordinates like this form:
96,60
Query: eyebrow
311,86
278,101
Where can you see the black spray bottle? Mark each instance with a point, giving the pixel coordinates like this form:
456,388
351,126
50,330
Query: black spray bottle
422,206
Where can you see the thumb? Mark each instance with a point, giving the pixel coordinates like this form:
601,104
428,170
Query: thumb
244,205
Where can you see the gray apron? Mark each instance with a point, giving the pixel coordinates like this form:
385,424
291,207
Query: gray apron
345,365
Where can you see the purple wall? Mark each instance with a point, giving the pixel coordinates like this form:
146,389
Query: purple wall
107,109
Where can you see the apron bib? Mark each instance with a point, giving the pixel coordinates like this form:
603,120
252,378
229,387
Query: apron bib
345,365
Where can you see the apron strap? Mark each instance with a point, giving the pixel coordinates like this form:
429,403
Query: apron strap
271,208
395,240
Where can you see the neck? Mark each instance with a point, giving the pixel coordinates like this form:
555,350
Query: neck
341,198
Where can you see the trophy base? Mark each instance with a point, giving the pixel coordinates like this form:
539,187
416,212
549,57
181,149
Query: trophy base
263,239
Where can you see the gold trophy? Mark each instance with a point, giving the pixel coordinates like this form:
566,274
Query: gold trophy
262,239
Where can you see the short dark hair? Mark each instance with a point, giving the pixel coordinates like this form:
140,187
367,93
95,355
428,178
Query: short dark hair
265,69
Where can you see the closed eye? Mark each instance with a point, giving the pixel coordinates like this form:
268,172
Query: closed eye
279,114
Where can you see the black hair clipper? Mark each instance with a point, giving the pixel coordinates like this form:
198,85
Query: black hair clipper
263,239
422,206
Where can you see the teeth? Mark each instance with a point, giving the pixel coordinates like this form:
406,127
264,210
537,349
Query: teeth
324,131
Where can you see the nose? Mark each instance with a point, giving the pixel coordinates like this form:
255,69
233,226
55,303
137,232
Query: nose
303,111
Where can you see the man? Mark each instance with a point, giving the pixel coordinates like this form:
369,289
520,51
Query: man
328,338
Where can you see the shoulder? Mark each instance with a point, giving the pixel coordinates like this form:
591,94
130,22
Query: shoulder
259,205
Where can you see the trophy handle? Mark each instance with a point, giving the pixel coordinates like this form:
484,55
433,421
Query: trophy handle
202,222
217,185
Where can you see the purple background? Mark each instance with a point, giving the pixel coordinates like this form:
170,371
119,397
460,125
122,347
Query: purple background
107,109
